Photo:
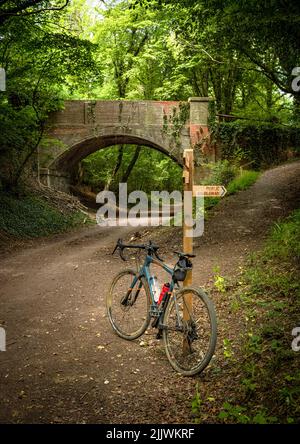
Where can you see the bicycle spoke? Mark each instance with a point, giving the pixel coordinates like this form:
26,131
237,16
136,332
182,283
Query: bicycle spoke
128,309
190,334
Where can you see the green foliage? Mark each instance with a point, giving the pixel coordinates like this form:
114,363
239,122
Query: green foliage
220,284
282,252
196,404
245,179
139,50
31,217
152,171
284,242
249,385
233,413
219,281
229,174
44,63
254,344
238,414
270,289
267,369
260,145
222,172
251,32
227,349
175,123
128,44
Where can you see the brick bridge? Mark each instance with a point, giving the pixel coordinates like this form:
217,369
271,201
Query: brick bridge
84,127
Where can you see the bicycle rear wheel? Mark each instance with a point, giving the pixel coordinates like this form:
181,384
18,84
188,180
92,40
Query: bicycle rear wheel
190,331
128,309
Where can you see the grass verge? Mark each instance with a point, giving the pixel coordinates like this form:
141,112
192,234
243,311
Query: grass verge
265,384
242,181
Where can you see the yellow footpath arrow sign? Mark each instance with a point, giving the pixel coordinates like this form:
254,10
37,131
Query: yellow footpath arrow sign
209,190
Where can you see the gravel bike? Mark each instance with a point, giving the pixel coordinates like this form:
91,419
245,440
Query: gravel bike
184,316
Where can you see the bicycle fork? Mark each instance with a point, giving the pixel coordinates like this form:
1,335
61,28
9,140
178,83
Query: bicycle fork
128,298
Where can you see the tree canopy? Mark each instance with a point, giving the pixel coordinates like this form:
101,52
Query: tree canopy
242,53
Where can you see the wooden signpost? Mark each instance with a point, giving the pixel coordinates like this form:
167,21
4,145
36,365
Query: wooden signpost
209,190
197,190
188,181
188,178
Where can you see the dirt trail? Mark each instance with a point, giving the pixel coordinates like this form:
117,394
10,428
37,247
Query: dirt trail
64,364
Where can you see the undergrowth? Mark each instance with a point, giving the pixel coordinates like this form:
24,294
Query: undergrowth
31,216
266,372
233,178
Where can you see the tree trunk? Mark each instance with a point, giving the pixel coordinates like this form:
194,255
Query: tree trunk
131,164
31,152
296,109
116,167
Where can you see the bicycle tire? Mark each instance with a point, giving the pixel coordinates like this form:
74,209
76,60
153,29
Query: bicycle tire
141,311
176,354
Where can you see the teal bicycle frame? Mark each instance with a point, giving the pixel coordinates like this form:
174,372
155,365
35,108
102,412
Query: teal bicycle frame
156,310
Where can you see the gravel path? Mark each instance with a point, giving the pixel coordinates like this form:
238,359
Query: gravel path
64,364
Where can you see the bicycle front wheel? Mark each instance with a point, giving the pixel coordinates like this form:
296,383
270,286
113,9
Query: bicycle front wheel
128,305
190,331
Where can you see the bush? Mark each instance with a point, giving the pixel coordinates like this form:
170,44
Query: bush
244,180
233,178
31,217
260,145
222,172
284,241
272,285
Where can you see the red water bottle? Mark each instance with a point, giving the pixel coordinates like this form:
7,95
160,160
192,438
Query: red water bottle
164,290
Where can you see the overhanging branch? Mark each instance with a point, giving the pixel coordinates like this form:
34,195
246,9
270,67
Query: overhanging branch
22,9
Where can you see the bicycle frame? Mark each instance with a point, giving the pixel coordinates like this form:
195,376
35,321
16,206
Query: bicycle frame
145,272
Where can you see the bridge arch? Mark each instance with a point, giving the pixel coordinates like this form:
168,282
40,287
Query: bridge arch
71,157
84,127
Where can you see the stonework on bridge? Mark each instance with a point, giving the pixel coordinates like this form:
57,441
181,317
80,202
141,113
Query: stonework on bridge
84,127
